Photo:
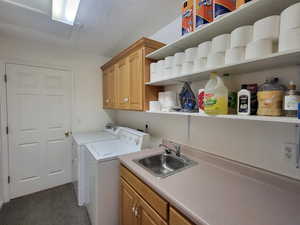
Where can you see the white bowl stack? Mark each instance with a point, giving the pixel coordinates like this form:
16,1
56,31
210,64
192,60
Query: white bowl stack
219,46
167,100
289,38
240,38
200,61
265,38
188,62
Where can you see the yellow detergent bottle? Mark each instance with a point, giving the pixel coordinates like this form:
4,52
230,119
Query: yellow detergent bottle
216,96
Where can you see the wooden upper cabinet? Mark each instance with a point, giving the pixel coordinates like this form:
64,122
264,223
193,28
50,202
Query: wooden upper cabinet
131,71
122,84
109,88
136,81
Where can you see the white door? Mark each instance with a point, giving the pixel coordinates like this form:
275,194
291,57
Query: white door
39,113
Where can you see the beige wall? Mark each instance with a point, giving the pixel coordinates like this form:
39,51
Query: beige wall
260,144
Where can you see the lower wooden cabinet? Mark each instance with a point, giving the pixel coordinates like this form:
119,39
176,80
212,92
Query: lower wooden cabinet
134,210
140,205
177,219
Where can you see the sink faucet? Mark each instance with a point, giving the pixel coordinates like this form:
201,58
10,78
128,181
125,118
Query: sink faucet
176,150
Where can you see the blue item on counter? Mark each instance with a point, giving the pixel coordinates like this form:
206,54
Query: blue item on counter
299,110
187,98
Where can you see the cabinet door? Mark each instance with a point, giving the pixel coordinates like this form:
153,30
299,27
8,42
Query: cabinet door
111,87
147,215
136,75
105,86
177,219
128,205
122,84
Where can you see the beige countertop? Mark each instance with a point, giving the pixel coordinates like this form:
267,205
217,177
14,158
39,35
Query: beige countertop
211,194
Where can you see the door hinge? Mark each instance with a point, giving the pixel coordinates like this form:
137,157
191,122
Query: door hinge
7,130
8,179
5,78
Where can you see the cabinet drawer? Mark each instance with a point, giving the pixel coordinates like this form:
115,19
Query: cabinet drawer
177,219
153,199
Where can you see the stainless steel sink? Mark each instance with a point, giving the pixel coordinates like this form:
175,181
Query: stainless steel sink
163,165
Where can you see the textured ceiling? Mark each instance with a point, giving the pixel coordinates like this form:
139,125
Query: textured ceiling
104,26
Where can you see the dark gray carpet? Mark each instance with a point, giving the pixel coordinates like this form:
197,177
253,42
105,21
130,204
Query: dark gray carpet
56,206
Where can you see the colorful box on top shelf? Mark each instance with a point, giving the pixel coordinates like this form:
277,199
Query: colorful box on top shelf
187,17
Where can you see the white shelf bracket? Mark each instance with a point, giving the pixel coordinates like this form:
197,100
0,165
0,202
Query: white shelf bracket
298,147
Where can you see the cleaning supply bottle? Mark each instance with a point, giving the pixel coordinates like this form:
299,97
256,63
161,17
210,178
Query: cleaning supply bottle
216,96
291,100
244,101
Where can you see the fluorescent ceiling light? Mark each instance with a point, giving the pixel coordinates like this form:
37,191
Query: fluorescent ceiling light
65,11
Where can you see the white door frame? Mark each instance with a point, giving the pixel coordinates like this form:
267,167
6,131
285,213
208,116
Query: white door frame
3,118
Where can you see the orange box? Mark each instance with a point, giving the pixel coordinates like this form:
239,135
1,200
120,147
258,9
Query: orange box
204,12
187,12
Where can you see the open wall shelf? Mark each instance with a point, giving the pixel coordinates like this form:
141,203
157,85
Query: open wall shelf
280,59
277,119
245,15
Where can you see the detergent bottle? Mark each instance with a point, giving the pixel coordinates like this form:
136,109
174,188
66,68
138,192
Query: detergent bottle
216,96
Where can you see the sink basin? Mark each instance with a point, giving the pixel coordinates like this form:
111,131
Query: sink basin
163,165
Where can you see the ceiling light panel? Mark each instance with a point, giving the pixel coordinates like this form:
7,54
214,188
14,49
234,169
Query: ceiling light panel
65,11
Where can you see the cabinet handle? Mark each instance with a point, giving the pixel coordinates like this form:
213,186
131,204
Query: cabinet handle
125,99
136,212
133,209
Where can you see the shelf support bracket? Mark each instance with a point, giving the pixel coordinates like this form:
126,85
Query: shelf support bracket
298,147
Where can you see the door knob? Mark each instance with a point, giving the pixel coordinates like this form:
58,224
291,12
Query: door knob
68,133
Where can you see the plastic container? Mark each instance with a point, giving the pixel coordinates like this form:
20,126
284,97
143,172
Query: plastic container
270,98
291,100
216,96
244,101
240,3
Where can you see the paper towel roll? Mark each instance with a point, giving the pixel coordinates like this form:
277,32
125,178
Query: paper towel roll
289,40
153,76
259,48
187,68
235,55
160,69
190,54
199,64
290,17
178,58
169,61
241,36
216,59
204,49
267,28
220,43
154,106
176,71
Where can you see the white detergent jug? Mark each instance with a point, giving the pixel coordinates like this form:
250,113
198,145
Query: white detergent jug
216,96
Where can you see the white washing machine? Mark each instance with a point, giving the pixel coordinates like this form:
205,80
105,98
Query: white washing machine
80,139
102,174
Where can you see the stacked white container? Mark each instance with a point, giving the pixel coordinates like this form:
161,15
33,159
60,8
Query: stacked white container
153,72
289,38
218,48
200,61
265,38
168,66
240,38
